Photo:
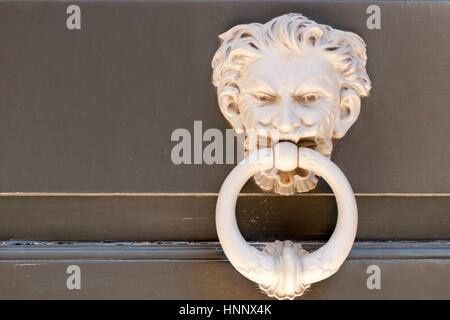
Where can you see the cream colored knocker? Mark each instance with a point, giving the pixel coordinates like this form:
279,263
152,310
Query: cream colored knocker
299,82
284,269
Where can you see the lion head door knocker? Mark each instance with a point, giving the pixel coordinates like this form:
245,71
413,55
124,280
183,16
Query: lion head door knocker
298,85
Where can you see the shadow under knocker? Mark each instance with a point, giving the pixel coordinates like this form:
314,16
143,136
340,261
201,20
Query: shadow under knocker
296,85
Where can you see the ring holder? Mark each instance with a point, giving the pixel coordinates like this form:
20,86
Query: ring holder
296,85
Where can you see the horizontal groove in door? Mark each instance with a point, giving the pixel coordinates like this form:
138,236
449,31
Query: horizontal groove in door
43,251
200,271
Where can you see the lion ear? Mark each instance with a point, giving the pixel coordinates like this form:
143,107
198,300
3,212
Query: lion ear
350,106
234,117
230,110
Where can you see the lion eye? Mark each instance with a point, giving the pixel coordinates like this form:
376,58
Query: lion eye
264,97
308,98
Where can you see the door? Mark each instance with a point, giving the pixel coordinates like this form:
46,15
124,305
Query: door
95,99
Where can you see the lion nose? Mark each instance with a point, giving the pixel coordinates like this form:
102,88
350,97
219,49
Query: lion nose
286,120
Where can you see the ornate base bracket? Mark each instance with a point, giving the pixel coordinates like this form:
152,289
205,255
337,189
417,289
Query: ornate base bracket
287,285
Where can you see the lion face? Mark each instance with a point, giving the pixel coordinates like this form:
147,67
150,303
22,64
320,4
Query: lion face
290,79
290,97
294,97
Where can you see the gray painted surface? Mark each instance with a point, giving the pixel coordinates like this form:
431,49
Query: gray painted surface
260,217
204,274
93,110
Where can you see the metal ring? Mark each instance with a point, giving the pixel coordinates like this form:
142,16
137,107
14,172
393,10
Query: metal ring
283,269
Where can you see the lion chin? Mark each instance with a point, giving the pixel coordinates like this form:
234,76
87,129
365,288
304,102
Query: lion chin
285,182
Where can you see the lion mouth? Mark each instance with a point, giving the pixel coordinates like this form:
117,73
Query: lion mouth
307,143
288,182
